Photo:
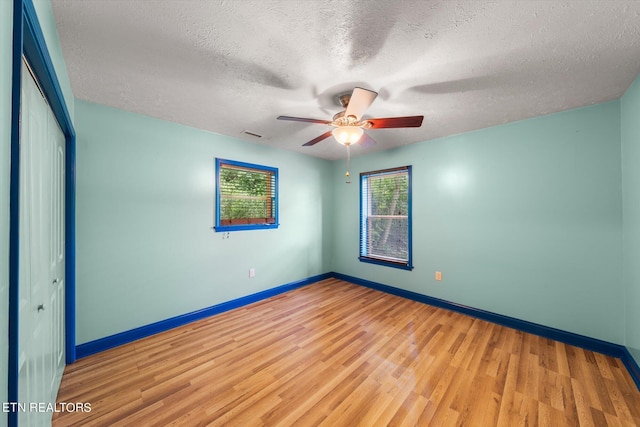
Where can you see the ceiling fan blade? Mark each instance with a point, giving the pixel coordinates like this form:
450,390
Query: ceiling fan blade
318,139
396,122
366,140
302,119
360,100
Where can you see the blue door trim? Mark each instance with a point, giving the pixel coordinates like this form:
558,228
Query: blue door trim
14,212
29,41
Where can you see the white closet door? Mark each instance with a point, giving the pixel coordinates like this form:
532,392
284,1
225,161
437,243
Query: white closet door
41,357
55,291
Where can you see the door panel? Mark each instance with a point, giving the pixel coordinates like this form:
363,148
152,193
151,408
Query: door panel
41,333
55,284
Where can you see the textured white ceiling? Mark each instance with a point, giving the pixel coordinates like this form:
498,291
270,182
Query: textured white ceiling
228,66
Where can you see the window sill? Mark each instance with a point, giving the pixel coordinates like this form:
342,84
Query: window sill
241,227
402,266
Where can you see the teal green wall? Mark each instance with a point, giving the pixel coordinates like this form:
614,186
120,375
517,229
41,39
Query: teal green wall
6,27
146,250
630,133
523,219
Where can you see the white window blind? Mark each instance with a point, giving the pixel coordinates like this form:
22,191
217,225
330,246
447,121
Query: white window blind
246,195
385,217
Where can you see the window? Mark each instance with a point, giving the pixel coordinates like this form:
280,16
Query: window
246,196
385,217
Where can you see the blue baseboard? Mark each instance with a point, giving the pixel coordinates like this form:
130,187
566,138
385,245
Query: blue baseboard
125,337
632,367
588,343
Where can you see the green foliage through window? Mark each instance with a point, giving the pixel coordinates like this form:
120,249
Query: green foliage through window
246,196
385,217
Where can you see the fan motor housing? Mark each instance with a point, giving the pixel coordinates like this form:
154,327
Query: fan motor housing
343,99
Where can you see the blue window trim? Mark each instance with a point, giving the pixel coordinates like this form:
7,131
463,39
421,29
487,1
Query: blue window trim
226,228
28,40
363,228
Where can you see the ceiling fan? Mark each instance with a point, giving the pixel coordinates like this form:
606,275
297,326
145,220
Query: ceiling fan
349,124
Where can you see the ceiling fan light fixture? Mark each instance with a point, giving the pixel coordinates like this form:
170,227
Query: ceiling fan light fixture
347,135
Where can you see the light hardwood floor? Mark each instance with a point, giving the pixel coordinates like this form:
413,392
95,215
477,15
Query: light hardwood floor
337,354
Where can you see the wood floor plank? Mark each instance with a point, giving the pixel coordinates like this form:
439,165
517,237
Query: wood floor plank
337,354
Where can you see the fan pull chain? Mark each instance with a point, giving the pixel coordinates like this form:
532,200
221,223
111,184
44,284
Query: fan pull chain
348,175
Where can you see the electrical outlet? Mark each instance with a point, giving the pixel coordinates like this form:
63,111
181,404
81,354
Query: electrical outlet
252,272
438,275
